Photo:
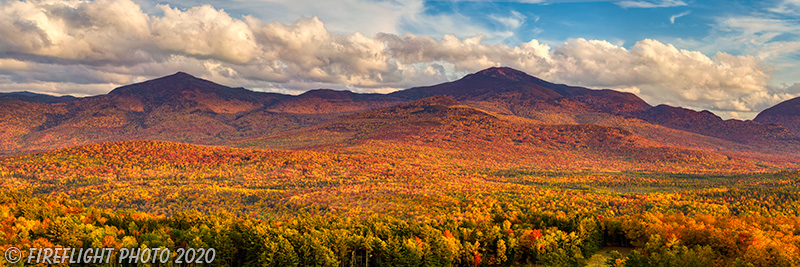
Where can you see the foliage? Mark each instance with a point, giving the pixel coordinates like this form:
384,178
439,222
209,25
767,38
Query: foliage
381,203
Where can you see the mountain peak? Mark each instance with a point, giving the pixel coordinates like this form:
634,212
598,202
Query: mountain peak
181,74
180,81
182,90
501,70
506,73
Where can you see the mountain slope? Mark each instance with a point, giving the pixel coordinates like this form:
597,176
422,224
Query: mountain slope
440,126
19,119
786,114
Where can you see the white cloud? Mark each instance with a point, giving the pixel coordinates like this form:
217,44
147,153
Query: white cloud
663,73
673,17
787,7
650,4
204,31
106,43
770,38
88,32
758,36
514,21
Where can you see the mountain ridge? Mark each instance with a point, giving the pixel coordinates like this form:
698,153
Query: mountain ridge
707,123
37,97
181,107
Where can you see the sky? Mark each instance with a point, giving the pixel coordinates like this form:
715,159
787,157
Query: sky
734,58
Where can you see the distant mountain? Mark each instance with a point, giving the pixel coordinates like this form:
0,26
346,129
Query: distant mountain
786,114
506,90
184,108
509,91
706,123
35,97
184,91
178,107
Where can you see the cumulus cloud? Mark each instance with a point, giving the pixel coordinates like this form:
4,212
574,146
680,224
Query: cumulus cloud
73,31
664,74
203,31
88,45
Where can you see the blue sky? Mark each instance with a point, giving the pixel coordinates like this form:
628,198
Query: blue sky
734,58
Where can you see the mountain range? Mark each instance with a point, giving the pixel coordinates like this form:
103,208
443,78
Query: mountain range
35,97
499,108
